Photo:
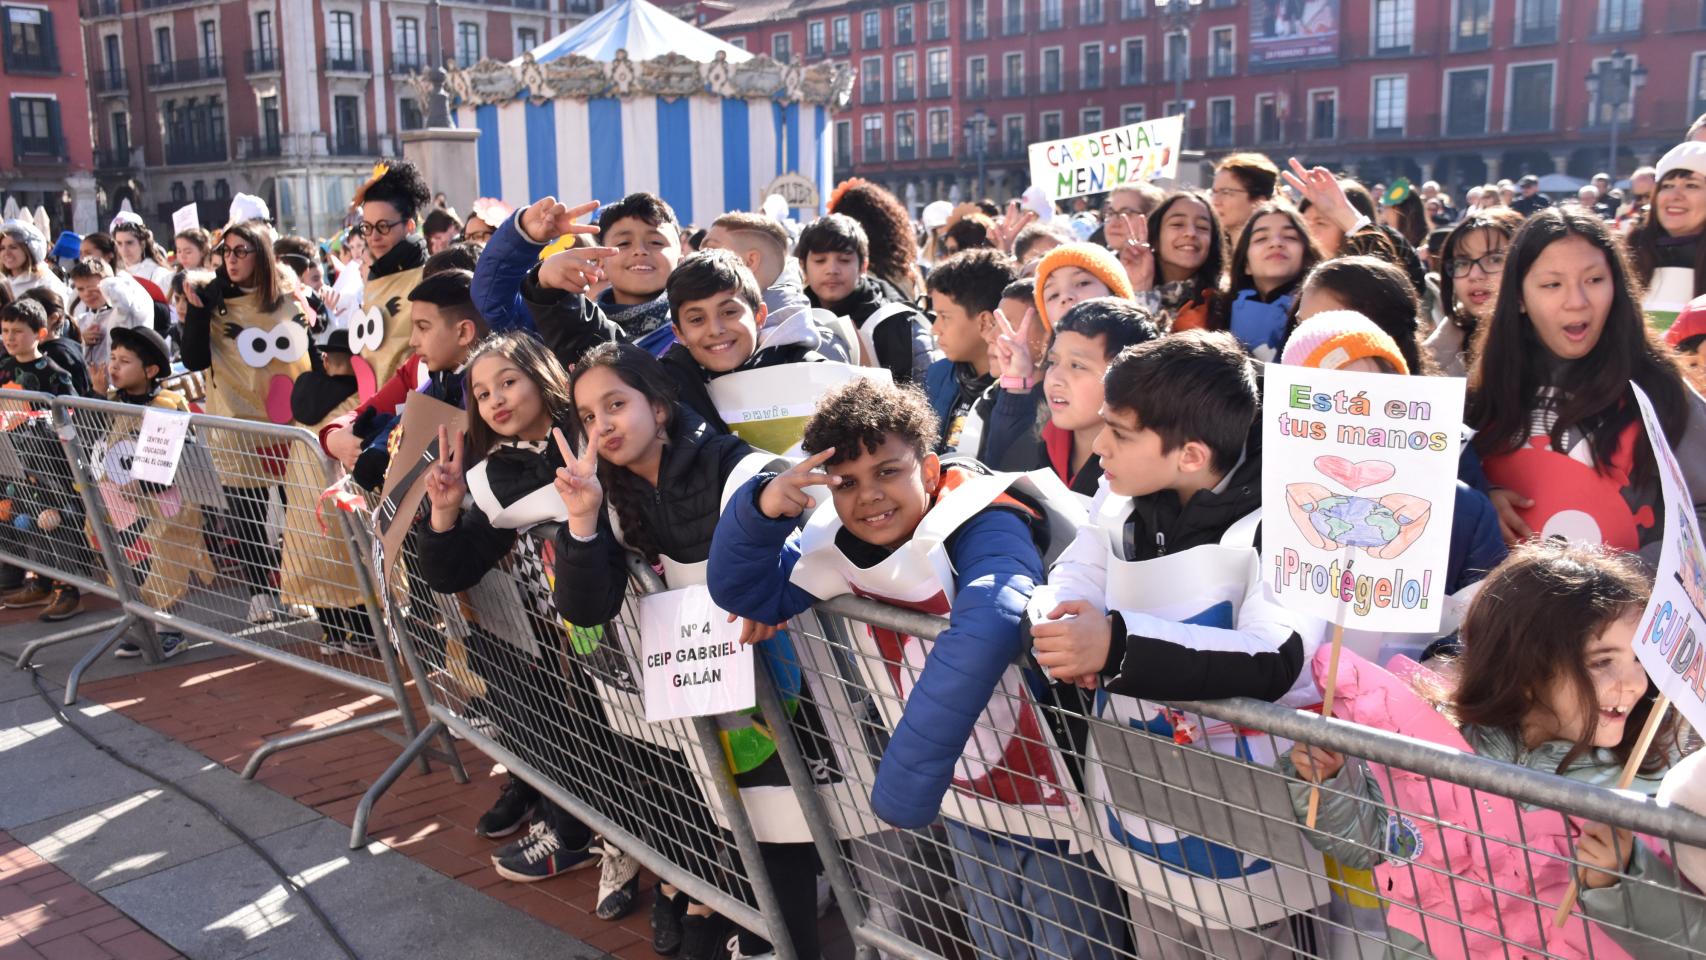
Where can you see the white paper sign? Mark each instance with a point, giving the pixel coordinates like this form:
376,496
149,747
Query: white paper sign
1108,159
1359,482
348,289
159,444
1669,641
185,218
693,662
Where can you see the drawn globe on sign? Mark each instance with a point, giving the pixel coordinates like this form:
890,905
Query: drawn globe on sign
1352,521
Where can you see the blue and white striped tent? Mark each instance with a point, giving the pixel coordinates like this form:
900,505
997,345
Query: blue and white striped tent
705,153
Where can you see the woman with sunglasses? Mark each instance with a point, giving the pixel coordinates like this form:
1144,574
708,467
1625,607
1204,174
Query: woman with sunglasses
1471,264
379,334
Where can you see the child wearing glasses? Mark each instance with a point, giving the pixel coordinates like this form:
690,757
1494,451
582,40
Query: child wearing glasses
1471,263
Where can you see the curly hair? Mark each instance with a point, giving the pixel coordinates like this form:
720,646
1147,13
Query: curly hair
894,247
401,185
858,418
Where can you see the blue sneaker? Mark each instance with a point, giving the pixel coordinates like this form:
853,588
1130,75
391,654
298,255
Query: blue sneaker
172,643
544,858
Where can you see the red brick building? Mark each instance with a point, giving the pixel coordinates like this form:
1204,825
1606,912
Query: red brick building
45,152
291,100
1462,91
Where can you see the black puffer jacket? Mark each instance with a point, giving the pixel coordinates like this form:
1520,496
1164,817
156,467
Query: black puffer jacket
677,518
903,348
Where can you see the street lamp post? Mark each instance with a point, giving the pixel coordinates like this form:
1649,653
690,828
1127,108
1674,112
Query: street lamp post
438,102
1178,15
977,137
1613,83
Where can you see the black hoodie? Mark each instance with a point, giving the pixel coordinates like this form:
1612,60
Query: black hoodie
896,343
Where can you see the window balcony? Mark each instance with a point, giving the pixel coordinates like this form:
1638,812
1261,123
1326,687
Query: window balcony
110,81
212,151
263,60
347,60
196,70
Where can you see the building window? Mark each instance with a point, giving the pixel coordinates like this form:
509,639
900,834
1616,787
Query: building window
1268,119
739,43
115,60
1090,66
1220,122
198,190
1390,100
1618,16
340,39
209,40
346,126
1324,115
1530,98
1090,120
1090,12
195,130
814,38
872,33
1697,89
1178,56
936,15
977,77
841,34
1133,113
1473,29
1131,62
977,19
28,40
406,50
163,45
1051,79
221,189
467,43
1012,17
263,31
409,116
1222,52
1051,125
1466,102
905,76
270,127
35,126
1013,137
906,136
937,72
843,143
1053,18
526,38
903,24
121,135
1537,21
871,80
872,148
1394,26
1134,9
782,47
941,132
1013,74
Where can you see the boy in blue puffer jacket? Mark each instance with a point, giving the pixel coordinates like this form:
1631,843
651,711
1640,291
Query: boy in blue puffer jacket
967,740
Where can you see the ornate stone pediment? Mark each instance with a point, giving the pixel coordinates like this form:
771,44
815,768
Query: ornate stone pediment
671,75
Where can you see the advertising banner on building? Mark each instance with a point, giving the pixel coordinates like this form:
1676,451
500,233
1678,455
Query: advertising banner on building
1287,32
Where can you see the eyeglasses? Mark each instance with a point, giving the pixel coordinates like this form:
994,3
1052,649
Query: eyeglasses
1227,193
1490,263
234,253
377,227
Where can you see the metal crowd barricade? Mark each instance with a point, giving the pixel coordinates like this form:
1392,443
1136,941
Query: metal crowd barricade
1143,844
240,550
560,706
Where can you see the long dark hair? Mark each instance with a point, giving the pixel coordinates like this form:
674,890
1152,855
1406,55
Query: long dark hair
1644,244
1206,281
269,287
1412,218
1381,291
537,363
1221,316
144,236
1532,622
1511,362
626,491
109,250
1500,220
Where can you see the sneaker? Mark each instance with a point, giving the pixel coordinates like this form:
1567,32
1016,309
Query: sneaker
127,650
618,882
510,849
544,859
32,594
733,947
66,603
704,938
667,914
172,643
263,608
509,811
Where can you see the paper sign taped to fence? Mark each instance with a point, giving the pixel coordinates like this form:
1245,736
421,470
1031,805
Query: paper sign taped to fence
769,407
159,444
185,218
1099,162
1670,641
1359,481
692,658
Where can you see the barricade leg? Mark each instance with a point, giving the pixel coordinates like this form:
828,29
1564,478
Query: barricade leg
95,652
364,809
305,737
65,636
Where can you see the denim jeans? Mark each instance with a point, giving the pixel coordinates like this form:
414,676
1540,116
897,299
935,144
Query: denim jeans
1029,899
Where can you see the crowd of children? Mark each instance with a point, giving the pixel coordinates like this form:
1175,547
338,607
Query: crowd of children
1054,443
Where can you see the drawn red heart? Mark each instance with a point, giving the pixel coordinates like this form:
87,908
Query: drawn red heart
1364,473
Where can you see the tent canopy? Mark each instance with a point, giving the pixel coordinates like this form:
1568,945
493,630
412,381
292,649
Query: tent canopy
643,30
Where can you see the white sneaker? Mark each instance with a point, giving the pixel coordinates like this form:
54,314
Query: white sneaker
263,608
618,881
734,951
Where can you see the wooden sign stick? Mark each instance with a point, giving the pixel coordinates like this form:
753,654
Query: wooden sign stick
1327,691
1642,743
